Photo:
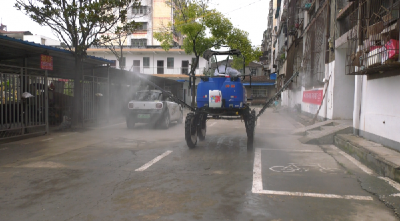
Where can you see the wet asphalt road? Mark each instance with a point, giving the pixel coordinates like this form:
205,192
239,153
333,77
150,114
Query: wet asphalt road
113,173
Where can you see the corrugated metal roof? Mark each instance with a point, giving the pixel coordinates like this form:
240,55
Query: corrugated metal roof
50,48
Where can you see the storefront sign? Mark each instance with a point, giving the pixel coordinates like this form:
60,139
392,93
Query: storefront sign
46,62
313,96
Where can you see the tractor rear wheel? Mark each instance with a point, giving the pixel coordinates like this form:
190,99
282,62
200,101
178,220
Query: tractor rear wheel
191,130
202,127
250,128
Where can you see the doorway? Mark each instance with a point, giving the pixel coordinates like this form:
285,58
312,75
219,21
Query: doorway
160,67
185,67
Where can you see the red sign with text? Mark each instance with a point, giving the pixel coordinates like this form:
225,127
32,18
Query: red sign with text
46,62
313,97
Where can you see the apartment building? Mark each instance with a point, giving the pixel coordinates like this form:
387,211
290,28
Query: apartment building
347,55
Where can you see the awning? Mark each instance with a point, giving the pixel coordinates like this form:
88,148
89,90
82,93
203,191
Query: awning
259,84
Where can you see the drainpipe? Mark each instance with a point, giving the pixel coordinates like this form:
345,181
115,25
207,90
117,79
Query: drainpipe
357,104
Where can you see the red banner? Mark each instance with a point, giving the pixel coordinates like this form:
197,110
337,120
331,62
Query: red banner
46,62
313,96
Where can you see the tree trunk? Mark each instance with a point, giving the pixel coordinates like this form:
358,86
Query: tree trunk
77,101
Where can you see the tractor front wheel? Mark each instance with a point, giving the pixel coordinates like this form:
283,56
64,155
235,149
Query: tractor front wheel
191,130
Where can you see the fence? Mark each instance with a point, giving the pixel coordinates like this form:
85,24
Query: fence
95,99
61,95
24,101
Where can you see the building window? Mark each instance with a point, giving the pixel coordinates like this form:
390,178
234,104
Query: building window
142,26
139,42
146,62
142,10
170,62
259,92
194,60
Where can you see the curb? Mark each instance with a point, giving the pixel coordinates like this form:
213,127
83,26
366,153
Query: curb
371,159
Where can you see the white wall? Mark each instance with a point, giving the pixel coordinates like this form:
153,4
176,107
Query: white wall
178,58
380,107
38,40
343,88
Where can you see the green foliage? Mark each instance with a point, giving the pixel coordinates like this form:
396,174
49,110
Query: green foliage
80,23
205,28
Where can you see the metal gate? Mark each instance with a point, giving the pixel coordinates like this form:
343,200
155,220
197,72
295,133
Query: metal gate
95,99
23,101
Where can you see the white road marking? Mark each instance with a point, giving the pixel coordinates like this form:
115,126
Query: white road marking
153,161
257,178
48,139
357,163
111,125
258,122
397,194
213,124
67,134
294,167
318,195
258,187
300,151
391,183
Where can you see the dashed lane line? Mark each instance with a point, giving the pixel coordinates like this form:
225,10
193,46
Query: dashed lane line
258,186
48,139
213,124
111,125
299,151
64,135
153,161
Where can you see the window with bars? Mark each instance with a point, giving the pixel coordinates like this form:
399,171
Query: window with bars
259,92
142,10
146,62
170,62
373,41
138,42
141,26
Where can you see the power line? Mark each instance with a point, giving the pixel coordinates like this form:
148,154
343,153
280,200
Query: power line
242,7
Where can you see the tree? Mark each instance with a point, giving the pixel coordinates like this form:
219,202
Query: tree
78,24
202,28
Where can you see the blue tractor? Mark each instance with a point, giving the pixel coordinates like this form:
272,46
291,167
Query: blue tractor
220,96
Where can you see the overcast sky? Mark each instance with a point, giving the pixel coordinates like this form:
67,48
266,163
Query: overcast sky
251,18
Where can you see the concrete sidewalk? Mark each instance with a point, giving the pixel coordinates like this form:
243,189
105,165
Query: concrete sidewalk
382,160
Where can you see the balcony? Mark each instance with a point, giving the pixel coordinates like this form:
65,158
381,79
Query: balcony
373,41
